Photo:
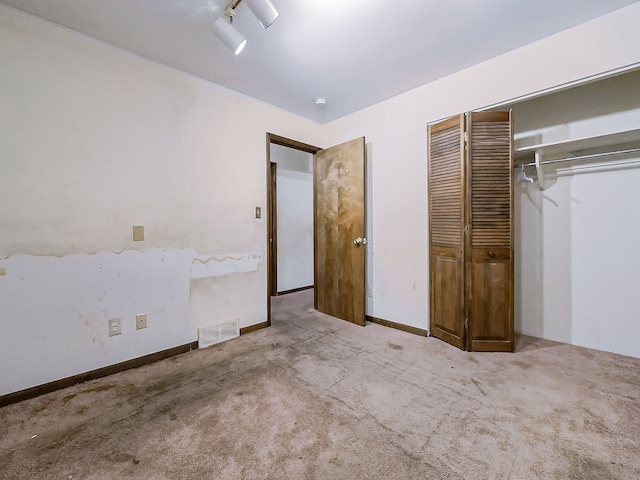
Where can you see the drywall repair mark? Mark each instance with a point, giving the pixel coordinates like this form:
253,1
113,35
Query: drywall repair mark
3,271
226,257
62,255
224,264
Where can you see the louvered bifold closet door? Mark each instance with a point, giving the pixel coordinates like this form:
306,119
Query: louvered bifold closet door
446,227
489,252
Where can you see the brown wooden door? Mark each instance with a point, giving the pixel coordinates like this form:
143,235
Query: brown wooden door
339,205
446,230
489,249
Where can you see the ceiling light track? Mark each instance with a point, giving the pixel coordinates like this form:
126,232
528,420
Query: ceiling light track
263,10
230,11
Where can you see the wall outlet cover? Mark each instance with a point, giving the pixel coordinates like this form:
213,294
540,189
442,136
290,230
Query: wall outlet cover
115,327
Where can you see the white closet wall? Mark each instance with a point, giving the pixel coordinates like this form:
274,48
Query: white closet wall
577,263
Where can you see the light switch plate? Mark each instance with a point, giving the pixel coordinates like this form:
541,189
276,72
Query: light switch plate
141,321
258,212
138,233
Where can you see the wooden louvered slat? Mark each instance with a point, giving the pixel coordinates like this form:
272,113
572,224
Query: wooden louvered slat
491,164
445,187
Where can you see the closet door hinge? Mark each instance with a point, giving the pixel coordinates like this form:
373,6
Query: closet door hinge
466,324
466,229
466,137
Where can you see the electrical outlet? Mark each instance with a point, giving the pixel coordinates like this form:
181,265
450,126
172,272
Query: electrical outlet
141,321
115,327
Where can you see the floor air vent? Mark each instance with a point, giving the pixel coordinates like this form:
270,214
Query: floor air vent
218,332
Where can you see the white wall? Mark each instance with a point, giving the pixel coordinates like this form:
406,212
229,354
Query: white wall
295,229
577,263
291,159
294,217
396,132
94,140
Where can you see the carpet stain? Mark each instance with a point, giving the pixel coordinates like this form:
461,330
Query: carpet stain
45,404
477,384
395,346
585,468
523,365
99,388
123,458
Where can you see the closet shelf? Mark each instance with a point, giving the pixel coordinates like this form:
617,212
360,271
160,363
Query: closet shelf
583,146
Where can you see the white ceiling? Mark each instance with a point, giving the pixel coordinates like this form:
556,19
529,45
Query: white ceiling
353,53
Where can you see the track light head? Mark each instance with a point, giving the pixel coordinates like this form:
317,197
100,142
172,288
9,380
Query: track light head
229,35
264,11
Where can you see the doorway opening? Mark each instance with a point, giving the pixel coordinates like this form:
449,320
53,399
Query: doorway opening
290,234
339,239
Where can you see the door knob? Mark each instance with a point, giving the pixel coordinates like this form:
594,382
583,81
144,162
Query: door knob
360,241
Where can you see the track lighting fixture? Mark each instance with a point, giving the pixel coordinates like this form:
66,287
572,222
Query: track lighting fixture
229,35
264,11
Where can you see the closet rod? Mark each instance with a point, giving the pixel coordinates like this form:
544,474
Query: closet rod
604,165
580,157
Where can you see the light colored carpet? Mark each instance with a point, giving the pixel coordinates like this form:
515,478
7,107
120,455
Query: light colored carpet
314,397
